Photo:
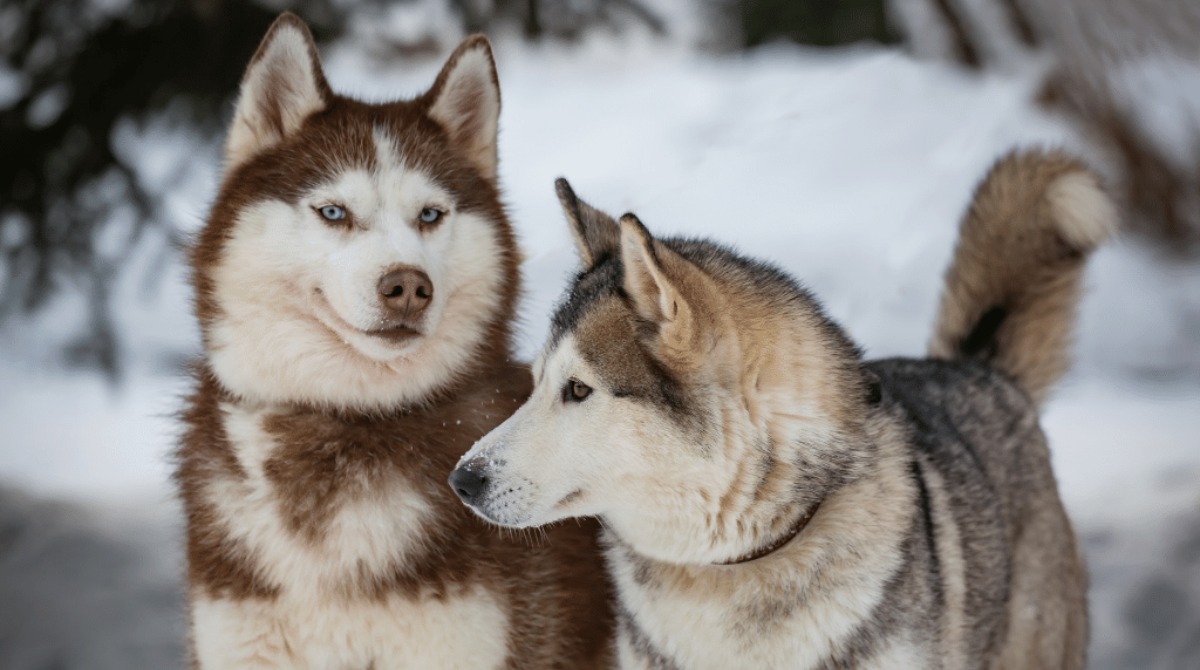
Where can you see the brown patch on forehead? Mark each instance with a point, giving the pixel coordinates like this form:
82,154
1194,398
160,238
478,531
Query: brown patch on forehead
342,138
610,338
328,143
607,340
424,147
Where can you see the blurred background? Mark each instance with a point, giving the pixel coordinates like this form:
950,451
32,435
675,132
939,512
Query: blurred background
838,138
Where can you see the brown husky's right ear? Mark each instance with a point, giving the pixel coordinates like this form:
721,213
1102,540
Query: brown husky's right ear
465,100
596,234
282,86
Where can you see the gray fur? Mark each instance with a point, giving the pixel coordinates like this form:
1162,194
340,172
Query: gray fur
772,499
973,426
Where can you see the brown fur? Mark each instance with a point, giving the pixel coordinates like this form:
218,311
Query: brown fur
324,458
553,585
1012,288
341,136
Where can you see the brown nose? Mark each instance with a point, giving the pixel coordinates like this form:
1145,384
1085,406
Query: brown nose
405,292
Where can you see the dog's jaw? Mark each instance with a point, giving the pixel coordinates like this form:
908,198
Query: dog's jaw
291,358
384,345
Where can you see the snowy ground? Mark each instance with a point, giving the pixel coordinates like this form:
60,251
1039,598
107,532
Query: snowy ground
848,168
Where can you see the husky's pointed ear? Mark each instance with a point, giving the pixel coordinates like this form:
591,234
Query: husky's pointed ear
465,100
282,86
596,234
651,279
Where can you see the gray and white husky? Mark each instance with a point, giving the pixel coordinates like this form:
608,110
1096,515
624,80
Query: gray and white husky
771,499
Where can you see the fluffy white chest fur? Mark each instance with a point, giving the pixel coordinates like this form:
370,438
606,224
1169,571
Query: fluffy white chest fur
364,537
317,621
468,630
793,609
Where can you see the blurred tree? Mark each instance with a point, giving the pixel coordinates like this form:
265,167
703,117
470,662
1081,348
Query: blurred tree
815,22
71,71
74,72
1125,74
555,18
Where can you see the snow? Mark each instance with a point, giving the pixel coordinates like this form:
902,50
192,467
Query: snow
848,168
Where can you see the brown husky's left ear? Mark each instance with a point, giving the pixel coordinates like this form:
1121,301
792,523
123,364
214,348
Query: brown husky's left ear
282,86
465,100
648,281
596,234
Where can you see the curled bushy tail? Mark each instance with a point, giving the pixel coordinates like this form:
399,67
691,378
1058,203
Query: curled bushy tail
1013,286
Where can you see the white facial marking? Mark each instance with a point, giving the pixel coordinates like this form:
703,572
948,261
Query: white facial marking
299,295
673,490
540,457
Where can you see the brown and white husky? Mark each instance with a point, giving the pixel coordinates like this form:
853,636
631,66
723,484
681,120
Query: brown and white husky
355,284
771,499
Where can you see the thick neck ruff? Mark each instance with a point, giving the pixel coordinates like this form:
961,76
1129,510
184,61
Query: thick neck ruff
776,545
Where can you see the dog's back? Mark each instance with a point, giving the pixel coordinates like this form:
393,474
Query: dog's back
1000,343
1002,557
993,563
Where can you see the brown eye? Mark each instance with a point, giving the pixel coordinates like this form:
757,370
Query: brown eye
576,391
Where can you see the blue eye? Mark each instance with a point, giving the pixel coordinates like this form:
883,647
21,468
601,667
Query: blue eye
333,213
430,215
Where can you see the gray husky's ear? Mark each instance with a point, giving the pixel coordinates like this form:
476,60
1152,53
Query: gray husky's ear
282,86
652,281
465,100
596,234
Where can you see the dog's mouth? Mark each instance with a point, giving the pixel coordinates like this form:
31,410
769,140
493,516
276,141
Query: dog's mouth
394,335
400,334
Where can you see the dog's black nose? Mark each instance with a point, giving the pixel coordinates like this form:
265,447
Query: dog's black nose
467,483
